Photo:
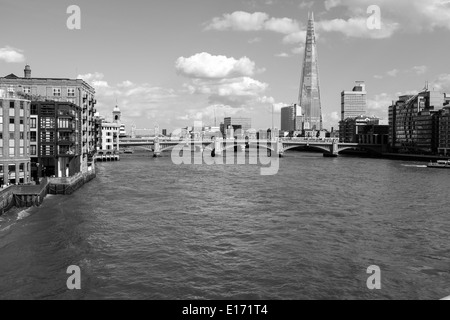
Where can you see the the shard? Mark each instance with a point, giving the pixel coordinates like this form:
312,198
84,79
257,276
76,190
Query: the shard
309,98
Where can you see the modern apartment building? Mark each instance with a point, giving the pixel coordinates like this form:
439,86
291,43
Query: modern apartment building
15,162
56,150
444,132
414,122
75,91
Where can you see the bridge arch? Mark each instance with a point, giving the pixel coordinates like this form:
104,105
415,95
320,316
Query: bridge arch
318,148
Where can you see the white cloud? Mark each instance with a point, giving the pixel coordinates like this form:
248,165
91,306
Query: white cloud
330,4
379,105
11,55
209,114
224,80
420,69
393,73
139,101
292,29
239,21
284,25
357,28
282,55
442,83
254,40
205,65
410,15
306,4
296,37
236,92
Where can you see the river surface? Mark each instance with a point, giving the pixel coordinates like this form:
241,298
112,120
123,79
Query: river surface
148,229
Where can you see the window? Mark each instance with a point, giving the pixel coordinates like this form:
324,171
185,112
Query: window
27,90
22,151
71,92
11,120
33,123
57,92
12,136
47,136
21,121
11,105
33,150
1,154
1,135
47,123
12,152
33,109
33,136
21,105
21,136
63,123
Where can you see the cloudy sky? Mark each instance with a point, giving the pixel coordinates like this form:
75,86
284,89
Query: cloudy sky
172,62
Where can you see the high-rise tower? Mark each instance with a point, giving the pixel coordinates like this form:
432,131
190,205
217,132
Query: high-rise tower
309,98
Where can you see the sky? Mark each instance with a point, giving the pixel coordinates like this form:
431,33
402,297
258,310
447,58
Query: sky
173,62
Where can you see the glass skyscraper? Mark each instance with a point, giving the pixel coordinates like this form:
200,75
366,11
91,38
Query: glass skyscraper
309,98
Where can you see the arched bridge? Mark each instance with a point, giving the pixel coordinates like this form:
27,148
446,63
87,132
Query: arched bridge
330,147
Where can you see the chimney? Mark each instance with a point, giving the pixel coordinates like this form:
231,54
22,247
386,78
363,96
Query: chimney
27,72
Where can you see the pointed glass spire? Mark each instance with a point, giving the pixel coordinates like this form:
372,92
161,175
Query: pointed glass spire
309,98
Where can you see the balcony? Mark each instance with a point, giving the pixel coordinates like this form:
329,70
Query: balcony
66,141
69,128
66,114
63,152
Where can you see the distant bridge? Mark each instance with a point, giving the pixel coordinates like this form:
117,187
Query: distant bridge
330,147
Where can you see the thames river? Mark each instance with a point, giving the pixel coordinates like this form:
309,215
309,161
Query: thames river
149,229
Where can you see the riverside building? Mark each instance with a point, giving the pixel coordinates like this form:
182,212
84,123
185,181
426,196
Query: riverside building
57,136
75,91
351,128
15,162
414,122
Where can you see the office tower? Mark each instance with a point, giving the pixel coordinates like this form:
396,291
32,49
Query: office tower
354,103
309,98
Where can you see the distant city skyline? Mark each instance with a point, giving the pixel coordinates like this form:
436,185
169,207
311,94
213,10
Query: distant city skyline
233,58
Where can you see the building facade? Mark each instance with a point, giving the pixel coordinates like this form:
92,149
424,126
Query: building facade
414,122
292,119
350,128
57,139
237,123
15,162
309,98
110,133
354,103
75,91
444,132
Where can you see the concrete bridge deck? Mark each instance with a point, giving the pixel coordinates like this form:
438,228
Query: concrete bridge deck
330,147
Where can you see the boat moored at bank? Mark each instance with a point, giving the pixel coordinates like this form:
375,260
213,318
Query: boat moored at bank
440,164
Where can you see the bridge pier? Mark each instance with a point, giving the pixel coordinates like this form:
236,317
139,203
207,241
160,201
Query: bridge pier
218,147
156,149
334,150
279,149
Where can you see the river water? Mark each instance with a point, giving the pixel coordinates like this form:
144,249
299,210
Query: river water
149,229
